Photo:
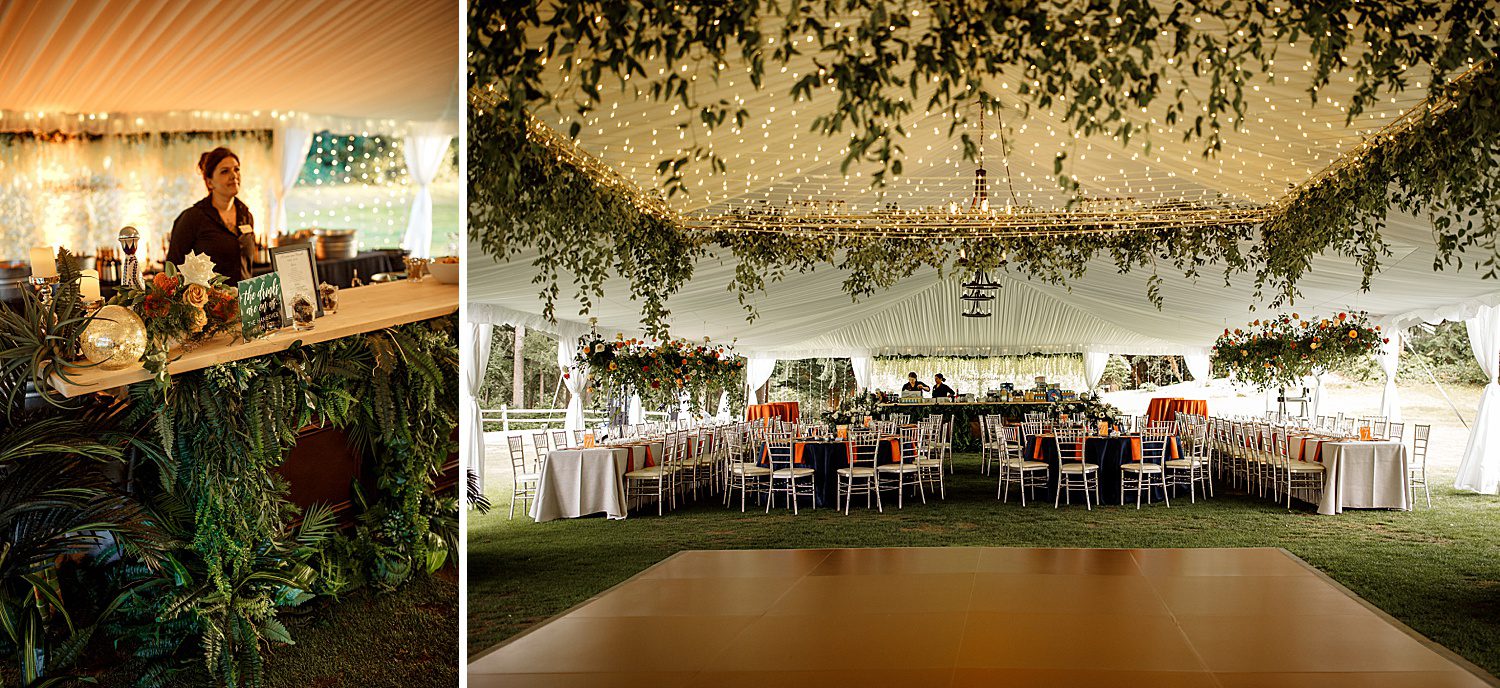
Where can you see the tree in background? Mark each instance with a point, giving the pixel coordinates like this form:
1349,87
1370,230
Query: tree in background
1116,373
539,361
1444,350
814,383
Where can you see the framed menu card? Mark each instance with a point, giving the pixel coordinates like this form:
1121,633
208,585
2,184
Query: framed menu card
299,275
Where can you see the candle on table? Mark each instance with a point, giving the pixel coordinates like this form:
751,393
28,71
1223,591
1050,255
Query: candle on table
43,261
88,285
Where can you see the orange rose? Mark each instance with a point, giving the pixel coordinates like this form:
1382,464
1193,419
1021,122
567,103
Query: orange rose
1353,334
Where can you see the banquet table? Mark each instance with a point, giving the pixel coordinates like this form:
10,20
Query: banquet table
1167,408
780,410
1109,453
826,457
1364,475
579,482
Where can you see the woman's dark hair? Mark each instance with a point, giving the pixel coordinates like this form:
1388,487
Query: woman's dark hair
912,374
208,162
940,377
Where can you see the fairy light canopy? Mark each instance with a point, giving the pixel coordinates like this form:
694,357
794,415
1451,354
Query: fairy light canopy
778,159
781,175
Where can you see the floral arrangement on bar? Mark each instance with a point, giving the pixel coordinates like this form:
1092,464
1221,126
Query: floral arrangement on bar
1281,351
189,304
660,370
1088,408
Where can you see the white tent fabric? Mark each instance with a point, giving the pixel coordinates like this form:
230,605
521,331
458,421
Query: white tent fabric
574,380
424,155
475,353
1199,366
289,146
757,371
115,66
635,414
1390,360
864,371
1093,368
1479,469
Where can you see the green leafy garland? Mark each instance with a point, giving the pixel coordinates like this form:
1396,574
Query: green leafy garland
1281,351
1443,163
660,371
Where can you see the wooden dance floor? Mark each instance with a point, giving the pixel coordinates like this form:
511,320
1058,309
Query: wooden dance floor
938,617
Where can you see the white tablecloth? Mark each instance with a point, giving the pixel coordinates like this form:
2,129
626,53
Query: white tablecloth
1364,475
580,482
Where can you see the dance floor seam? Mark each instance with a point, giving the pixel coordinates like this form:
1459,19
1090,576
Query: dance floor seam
963,616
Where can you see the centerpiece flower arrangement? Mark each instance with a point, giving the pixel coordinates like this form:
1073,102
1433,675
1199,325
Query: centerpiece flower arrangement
1281,351
660,370
189,304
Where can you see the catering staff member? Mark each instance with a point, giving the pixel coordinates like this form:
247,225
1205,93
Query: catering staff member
219,225
913,384
941,388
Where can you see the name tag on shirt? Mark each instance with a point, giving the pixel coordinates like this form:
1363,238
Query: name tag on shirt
247,229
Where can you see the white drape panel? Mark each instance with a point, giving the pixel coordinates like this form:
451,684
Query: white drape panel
1093,368
757,372
574,380
864,370
723,413
289,146
635,414
1479,470
1317,394
1199,367
475,350
1390,360
424,154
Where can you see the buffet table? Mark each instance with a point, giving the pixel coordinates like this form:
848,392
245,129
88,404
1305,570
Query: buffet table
965,416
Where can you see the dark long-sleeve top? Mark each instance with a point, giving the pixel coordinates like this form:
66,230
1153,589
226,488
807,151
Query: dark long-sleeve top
199,228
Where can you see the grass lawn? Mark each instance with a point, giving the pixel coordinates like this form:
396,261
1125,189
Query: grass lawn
1436,570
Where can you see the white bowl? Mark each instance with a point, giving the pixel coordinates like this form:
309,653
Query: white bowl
445,273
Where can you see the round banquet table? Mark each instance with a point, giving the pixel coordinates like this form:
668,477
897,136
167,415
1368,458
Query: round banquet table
1167,408
1108,453
826,457
780,410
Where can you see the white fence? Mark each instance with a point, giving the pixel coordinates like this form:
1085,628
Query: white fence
544,419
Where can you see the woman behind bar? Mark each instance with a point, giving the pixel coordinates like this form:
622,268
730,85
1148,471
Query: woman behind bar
219,225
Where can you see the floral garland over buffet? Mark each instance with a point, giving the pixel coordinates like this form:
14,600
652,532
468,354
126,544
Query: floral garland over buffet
1279,352
659,370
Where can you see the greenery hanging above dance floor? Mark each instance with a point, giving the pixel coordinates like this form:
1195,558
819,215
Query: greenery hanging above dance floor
1099,65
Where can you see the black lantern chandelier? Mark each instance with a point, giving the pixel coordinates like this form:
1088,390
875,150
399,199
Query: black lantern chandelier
978,290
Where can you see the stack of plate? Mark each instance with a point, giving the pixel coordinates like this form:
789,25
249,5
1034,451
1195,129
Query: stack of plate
337,244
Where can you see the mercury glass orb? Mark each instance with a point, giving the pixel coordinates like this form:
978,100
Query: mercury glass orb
115,338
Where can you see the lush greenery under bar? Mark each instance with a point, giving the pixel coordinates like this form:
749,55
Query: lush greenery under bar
155,532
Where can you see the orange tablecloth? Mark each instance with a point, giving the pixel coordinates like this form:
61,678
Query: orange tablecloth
781,410
1167,408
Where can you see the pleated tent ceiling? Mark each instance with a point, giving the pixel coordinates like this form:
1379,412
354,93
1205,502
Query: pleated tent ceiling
153,65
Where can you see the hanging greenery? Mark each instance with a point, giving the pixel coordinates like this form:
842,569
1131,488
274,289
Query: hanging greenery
1095,63
661,371
1281,351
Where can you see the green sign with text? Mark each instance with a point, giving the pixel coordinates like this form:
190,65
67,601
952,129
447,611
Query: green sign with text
260,305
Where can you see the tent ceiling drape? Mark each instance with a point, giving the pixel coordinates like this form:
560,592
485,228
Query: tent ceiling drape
190,65
808,314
